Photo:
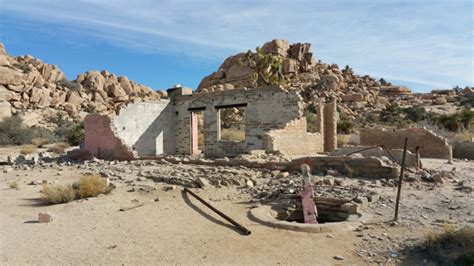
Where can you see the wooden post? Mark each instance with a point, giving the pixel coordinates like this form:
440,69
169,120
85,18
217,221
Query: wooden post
395,218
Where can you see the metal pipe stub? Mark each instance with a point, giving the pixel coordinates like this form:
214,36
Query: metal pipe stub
241,228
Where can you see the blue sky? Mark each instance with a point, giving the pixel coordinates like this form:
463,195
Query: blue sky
424,44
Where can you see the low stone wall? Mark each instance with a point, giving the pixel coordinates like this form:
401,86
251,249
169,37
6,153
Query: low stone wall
101,141
431,145
410,159
352,167
464,150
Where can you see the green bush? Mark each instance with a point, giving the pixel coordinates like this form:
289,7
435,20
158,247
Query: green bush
13,132
455,122
345,126
67,130
68,84
310,121
391,114
23,67
415,113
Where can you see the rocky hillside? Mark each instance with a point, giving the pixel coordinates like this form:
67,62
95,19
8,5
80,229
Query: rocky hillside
294,65
39,92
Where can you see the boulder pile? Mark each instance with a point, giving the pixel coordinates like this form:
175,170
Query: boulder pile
39,92
320,82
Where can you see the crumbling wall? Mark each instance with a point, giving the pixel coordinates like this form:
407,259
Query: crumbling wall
147,127
268,111
293,140
101,140
431,145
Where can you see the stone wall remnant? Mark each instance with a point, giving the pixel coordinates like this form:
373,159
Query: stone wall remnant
430,145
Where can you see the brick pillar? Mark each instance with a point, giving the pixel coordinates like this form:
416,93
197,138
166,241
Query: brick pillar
320,119
330,126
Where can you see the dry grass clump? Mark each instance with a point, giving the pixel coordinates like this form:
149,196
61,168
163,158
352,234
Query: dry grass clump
13,185
39,142
88,186
28,149
232,134
59,148
57,194
452,246
92,186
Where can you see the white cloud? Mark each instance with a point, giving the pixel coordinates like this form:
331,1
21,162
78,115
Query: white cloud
430,42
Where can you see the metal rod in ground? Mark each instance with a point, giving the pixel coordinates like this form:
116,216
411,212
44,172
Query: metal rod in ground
244,230
395,218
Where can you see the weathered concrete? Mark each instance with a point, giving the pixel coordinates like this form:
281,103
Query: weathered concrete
101,141
147,127
431,145
274,122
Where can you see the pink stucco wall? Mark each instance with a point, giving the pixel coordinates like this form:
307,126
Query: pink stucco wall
100,140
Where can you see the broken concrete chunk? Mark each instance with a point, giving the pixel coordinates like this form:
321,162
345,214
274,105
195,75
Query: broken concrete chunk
45,217
202,182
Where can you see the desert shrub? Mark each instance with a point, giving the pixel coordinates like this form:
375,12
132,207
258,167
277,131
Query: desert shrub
345,127
68,84
67,130
39,142
455,122
57,194
13,185
13,132
391,114
76,134
451,246
310,121
232,134
23,66
92,185
59,148
28,149
415,113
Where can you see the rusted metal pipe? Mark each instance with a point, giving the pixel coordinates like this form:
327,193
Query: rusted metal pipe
241,228
400,180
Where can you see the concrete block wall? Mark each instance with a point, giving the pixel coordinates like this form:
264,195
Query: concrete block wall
294,141
431,145
101,141
267,109
147,127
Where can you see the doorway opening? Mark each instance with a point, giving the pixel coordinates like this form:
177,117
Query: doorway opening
197,132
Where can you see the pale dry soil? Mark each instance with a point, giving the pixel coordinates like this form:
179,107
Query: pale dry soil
180,230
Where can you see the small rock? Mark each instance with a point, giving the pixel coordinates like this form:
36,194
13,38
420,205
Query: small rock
338,257
45,217
202,182
249,184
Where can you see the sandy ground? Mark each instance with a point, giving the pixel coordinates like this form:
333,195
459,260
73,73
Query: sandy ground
180,230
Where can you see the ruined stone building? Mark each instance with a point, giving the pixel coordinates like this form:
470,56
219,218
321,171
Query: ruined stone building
273,122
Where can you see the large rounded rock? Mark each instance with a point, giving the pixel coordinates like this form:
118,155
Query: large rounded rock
5,110
9,76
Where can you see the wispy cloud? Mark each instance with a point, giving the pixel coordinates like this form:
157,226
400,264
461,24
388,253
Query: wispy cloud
427,42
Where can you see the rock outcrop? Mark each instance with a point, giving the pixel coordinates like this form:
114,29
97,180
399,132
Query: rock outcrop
39,92
320,82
